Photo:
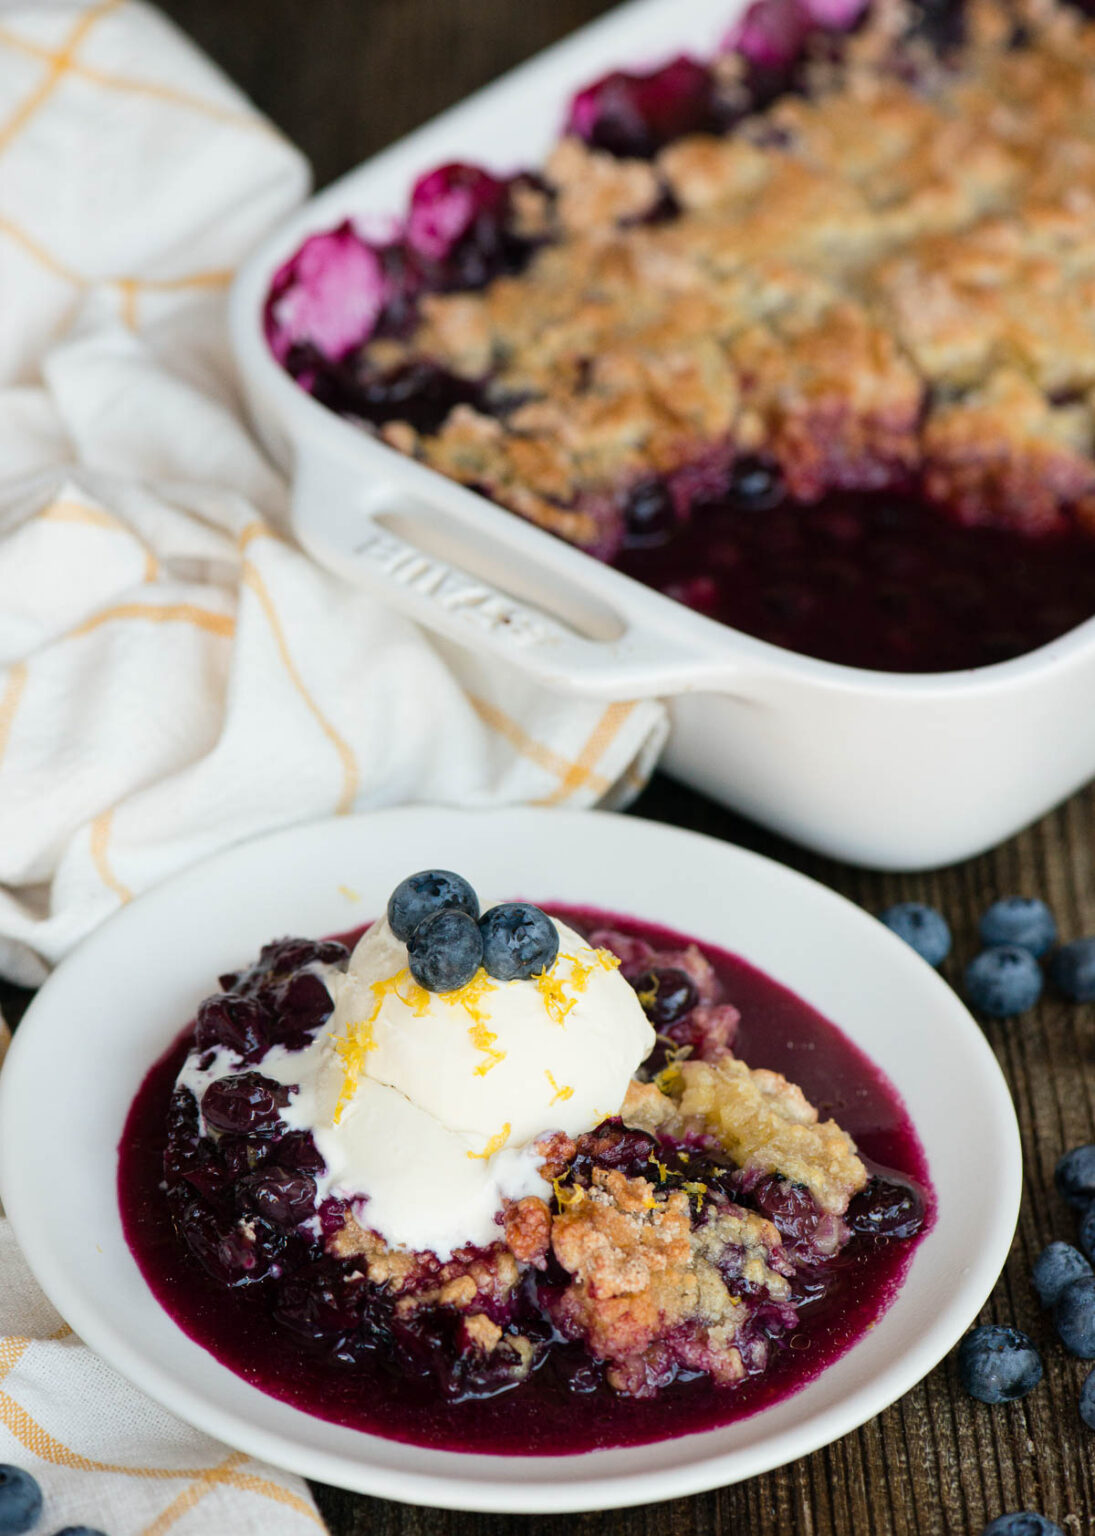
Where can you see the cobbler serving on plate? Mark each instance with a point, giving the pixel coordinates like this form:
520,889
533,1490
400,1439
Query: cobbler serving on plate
479,1167
800,336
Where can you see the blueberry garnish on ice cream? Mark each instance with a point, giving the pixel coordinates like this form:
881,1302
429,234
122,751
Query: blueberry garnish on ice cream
436,914
428,892
518,941
445,950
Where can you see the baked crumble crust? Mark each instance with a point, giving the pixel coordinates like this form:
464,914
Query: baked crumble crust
765,1124
889,279
645,1283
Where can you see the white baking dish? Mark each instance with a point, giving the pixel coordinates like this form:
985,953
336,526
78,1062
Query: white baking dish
881,769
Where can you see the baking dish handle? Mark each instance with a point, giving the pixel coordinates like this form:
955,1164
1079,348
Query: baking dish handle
352,534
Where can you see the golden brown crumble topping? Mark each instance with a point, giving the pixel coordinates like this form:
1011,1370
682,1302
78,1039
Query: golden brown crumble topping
764,1123
884,275
639,1270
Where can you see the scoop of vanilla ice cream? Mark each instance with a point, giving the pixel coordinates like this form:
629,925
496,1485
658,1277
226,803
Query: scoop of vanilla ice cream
427,1107
501,1061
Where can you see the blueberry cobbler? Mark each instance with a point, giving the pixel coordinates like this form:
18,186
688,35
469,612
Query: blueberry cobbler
802,336
457,1178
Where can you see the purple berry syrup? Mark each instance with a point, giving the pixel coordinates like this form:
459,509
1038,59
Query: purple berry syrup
549,1414
874,579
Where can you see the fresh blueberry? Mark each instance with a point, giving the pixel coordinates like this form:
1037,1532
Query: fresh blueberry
519,941
445,950
1087,1232
421,895
1022,920
998,1364
1054,1268
1073,970
1074,1176
1024,1523
1087,1400
20,1501
1074,1316
79,1530
1003,980
922,927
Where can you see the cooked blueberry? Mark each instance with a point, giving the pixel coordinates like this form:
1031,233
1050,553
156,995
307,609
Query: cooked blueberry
666,994
922,927
1022,920
430,891
283,956
997,1364
299,1152
886,1208
755,485
634,116
20,1501
1074,1176
284,1197
1023,1523
243,1104
445,950
237,1252
1073,970
519,941
1003,981
321,1302
1087,1232
1074,1317
237,1023
1054,1268
649,515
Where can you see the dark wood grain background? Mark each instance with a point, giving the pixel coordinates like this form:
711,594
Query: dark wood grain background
343,78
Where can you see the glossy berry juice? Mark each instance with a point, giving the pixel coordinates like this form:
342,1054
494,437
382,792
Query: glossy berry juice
560,1408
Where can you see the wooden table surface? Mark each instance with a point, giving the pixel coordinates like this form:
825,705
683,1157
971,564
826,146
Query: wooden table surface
343,78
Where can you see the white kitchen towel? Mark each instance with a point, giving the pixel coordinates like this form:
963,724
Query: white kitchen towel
173,674
107,1457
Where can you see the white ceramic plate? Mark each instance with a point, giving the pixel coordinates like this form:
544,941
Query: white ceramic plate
115,1004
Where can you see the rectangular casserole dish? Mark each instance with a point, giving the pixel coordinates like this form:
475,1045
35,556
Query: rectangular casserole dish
883,769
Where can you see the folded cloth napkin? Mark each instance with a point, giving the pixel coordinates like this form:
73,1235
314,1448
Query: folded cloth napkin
174,673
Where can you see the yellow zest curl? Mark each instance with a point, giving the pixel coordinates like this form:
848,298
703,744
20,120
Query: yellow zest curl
561,1094
359,1039
495,1144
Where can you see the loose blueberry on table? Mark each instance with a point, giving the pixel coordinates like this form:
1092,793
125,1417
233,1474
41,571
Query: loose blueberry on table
922,927
1022,1523
713,341
570,1094
20,1501
997,1364
1055,1267
1074,1317
1003,981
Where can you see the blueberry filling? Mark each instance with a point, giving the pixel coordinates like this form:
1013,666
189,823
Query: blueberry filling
979,575
241,1193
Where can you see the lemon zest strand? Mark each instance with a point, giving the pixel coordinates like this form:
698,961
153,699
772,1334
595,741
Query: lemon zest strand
359,1040
561,1094
495,1144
